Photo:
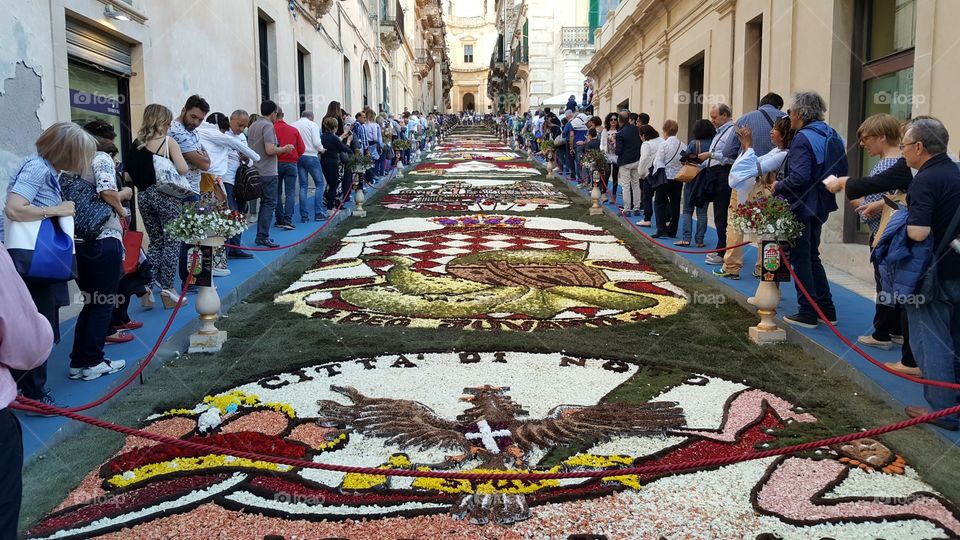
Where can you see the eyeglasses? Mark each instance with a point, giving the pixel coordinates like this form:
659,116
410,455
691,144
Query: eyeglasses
901,146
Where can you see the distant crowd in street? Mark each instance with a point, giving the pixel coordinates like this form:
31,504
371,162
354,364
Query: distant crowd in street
669,184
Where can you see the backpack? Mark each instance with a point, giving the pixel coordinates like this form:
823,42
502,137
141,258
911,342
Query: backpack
247,185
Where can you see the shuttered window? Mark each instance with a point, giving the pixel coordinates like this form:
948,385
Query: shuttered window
92,46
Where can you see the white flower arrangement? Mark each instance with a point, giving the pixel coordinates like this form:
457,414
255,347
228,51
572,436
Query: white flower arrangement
197,222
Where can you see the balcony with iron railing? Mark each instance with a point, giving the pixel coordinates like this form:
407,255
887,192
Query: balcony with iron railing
391,24
577,37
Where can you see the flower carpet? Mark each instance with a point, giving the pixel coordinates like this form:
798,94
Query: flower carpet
321,413
477,195
479,272
480,321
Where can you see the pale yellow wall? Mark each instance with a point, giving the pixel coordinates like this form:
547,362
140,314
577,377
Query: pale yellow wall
936,65
469,23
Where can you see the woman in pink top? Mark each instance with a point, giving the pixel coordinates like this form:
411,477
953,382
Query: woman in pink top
25,342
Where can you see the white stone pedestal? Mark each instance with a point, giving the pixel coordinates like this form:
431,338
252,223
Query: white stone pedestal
767,299
208,339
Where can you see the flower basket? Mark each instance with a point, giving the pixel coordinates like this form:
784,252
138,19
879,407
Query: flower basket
547,146
359,163
768,218
594,159
197,222
401,144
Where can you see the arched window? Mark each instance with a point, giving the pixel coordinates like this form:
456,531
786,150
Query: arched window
366,84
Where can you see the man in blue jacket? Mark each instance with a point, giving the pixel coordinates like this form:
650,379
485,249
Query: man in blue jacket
934,203
817,151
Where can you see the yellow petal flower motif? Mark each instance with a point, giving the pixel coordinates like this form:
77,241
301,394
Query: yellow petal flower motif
233,401
146,472
365,482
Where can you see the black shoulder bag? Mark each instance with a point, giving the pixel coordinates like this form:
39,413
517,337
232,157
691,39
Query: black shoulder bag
659,177
91,212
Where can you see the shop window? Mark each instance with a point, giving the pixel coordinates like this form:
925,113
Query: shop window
882,82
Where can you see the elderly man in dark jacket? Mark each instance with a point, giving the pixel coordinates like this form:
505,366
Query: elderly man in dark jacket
817,151
934,212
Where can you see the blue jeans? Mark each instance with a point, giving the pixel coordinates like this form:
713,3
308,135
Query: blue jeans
99,269
286,191
234,205
935,341
805,258
563,160
310,165
268,203
577,167
378,167
686,220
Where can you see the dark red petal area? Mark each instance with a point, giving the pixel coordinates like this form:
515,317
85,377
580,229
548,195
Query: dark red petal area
245,440
644,287
111,505
329,497
707,449
623,265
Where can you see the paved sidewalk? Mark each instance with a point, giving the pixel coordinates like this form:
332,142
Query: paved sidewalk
855,309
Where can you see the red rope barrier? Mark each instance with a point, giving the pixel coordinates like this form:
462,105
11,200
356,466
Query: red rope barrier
28,404
343,201
854,346
677,250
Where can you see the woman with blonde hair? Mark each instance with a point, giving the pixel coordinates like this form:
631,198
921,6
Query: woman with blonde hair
100,266
156,208
879,136
34,194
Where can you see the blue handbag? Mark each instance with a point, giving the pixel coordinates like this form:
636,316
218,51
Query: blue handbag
42,251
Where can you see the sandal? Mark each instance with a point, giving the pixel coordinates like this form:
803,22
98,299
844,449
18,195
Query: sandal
682,243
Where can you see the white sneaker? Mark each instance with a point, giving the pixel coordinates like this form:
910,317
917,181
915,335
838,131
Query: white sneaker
106,367
75,373
714,259
221,272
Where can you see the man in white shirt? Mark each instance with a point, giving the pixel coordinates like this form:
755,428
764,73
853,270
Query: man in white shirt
417,128
722,117
239,120
309,165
